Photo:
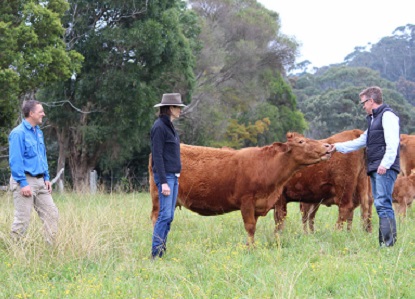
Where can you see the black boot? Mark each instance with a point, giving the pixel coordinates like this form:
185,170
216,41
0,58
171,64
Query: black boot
387,232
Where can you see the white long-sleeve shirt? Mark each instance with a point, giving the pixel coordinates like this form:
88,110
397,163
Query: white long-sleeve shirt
390,123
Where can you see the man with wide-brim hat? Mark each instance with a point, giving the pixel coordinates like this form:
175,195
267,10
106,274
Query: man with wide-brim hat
166,166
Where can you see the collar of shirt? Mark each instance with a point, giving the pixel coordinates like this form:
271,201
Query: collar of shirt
29,126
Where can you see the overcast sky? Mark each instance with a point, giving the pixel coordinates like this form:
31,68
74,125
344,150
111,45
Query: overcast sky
329,30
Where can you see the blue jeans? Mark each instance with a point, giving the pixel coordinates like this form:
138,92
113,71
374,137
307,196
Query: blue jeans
382,188
166,214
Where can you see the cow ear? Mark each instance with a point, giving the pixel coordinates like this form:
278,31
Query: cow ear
280,147
291,135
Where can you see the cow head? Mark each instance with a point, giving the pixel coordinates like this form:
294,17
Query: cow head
307,151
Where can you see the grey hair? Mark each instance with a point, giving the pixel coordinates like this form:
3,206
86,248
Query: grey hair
29,106
374,93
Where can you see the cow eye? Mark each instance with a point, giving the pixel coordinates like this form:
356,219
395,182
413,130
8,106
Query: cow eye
301,141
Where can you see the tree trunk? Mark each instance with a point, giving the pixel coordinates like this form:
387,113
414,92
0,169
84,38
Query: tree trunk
82,159
80,174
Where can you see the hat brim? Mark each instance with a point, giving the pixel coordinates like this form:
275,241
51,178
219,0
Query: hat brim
159,105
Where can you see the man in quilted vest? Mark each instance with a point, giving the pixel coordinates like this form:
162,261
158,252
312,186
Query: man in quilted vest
381,140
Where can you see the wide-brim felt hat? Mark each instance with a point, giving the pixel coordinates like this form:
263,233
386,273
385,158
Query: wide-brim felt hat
171,99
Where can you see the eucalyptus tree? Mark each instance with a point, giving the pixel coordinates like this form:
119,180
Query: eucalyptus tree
329,99
393,56
333,111
333,78
32,55
407,88
134,51
32,52
243,55
337,110
280,109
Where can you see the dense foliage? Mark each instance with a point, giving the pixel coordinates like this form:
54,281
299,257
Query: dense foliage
240,78
227,58
32,55
134,52
393,56
329,97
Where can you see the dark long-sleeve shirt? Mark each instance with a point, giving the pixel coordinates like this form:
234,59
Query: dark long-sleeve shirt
165,148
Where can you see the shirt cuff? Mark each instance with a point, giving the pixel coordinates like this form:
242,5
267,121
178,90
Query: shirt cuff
23,183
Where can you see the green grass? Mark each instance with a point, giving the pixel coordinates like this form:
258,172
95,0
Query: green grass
103,250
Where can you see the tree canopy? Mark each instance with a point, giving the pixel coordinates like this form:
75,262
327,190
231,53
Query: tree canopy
99,66
329,100
240,69
134,52
390,64
32,53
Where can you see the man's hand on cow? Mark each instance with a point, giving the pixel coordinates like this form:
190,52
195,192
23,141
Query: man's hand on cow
381,169
165,189
332,149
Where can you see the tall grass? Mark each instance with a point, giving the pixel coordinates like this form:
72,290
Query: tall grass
104,241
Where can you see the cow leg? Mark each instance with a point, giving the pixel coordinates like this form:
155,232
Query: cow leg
401,209
154,214
155,201
280,212
366,212
350,221
153,193
367,216
345,215
365,198
344,201
304,208
308,213
405,205
250,219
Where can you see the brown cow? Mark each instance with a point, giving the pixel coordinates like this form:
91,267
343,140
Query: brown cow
404,192
341,181
217,181
407,154
309,210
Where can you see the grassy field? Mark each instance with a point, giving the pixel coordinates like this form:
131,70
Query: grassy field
104,242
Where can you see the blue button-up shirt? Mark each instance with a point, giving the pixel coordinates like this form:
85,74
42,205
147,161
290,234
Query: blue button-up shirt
27,153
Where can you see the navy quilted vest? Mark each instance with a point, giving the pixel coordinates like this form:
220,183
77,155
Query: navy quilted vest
375,144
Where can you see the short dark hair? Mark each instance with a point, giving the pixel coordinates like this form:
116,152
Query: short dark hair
374,93
29,106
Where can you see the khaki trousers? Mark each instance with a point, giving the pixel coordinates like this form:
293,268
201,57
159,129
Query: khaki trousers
43,204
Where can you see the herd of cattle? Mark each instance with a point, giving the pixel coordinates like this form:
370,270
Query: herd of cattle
257,179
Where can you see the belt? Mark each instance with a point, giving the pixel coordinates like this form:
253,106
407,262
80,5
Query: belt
38,176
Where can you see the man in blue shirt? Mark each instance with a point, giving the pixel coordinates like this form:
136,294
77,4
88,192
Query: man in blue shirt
30,180
381,140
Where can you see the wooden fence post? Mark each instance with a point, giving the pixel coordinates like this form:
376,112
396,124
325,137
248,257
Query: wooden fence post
93,181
